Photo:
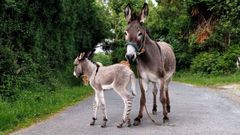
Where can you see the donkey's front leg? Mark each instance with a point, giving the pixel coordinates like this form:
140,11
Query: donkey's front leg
95,107
143,86
103,106
154,109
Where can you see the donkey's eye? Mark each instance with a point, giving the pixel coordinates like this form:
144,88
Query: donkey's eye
125,33
139,34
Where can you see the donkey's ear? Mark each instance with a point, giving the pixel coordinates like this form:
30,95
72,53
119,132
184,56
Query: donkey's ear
128,13
144,13
81,56
90,54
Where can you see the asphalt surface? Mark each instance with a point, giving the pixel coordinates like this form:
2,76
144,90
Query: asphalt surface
194,111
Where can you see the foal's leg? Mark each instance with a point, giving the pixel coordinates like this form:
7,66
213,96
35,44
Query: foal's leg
95,107
103,106
154,110
163,99
143,87
127,99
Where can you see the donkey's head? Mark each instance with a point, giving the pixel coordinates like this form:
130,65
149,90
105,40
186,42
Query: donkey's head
80,63
135,33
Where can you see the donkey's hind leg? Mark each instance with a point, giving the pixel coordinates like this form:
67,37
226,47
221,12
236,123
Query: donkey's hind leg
127,99
103,107
163,99
154,109
167,95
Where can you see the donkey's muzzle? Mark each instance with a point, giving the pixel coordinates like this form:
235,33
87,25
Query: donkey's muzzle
130,57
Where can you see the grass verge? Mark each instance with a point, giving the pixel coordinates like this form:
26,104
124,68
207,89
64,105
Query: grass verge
206,80
31,106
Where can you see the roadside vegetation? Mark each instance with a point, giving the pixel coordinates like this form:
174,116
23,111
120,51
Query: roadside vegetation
39,40
206,79
203,33
31,107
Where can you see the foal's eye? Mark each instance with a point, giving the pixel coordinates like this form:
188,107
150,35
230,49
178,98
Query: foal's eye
125,33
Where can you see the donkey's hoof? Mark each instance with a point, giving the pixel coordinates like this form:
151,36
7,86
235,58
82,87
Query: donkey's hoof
129,124
119,125
103,126
168,108
137,122
92,123
154,112
165,119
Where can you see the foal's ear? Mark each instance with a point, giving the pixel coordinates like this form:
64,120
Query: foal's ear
90,54
128,13
81,56
144,13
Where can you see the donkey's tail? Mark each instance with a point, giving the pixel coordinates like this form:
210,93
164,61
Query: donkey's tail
133,84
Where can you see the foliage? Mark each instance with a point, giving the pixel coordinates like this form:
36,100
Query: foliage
206,80
118,54
205,62
38,38
170,22
200,31
215,62
103,58
30,106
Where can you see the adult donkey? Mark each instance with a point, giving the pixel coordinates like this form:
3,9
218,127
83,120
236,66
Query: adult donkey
156,61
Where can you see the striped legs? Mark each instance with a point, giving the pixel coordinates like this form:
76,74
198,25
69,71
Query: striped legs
104,111
127,99
95,108
99,99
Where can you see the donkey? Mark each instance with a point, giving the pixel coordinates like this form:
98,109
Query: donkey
115,76
156,61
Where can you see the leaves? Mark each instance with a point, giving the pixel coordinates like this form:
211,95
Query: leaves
38,38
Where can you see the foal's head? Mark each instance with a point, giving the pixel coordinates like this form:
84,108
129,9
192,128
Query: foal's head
80,62
135,33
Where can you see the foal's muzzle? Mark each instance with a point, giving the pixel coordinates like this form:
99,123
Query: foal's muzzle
77,74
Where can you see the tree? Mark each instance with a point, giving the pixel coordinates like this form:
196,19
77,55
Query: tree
38,38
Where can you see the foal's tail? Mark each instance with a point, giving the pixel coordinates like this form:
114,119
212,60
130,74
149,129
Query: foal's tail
133,84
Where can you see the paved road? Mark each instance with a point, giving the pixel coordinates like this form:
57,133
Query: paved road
195,111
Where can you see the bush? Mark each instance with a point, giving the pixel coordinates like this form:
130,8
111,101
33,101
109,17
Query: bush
38,38
205,62
103,58
118,54
215,62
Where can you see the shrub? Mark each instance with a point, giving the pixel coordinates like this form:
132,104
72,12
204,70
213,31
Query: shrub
118,54
103,58
205,62
38,38
215,62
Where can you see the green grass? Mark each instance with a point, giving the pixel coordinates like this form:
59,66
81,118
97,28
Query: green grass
206,80
31,107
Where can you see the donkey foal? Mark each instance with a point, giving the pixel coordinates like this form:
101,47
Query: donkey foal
115,76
